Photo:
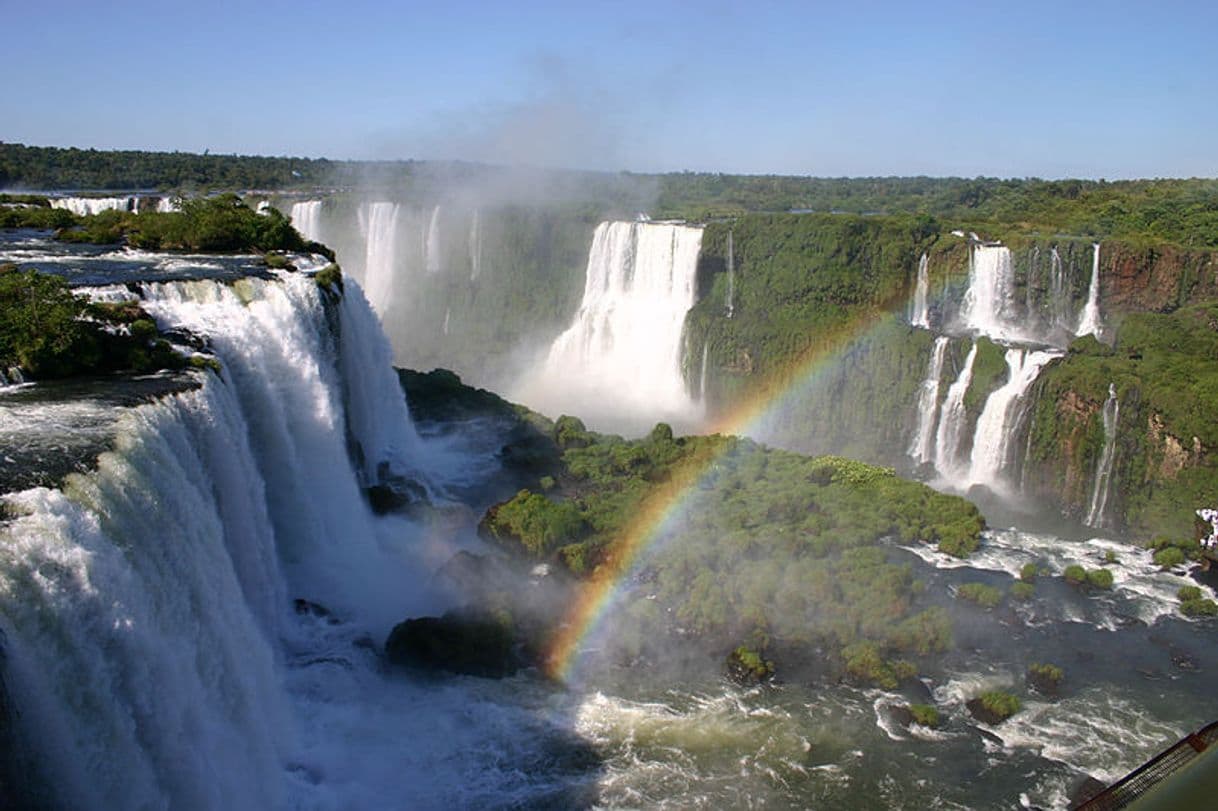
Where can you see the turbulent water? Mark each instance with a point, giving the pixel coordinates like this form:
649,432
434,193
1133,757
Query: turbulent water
1089,320
154,659
619,362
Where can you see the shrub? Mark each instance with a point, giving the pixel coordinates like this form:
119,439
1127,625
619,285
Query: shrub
1187,593
1045,677
1001,704
980,593
1169,557
1075,575
924,714
329,276
1022,591
1099,578
1028,572
1203,607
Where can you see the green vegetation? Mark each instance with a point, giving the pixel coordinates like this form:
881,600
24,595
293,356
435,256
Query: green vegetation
1193,604
983,595
747,666
1165,369
207,224
1076,575
999,704
754,544
1045,677
1022,590
925,714
329,276
1180,211
36,217
1028,572
1169,557
49,332
1099,578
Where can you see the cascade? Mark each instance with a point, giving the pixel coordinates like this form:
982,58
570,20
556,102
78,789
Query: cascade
431,246
702,374
622,353
921,313
475,245
952,419
306,218
1059,288
999,418
1103,471
82,206
1089,319
928,403
146,605
168,204
731,276
378,223
986,309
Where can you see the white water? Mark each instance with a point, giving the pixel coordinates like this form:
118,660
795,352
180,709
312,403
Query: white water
431,250
1089,319
921,308
149,638
378,223
987,308
82,206
168,203
953,419
996,425
702,374
731,276
621,357
920,449
475,245
306,218
1103,470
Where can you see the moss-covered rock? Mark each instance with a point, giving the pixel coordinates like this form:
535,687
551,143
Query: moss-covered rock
747,667
1045,678
993,706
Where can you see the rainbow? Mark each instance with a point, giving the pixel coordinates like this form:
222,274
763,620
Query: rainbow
597,595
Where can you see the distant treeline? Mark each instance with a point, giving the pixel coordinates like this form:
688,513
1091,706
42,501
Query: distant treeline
1178,211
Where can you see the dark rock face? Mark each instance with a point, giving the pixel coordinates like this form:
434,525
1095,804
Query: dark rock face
472,644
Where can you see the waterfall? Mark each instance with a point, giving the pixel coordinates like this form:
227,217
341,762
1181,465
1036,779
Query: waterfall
82,206
168,203
1060,291
378,223
921,312
475,245
431,246
996,426
146,606
622,353
731,276
306,218
702,374
1103,471
1089,319
928,403
953,418
986,309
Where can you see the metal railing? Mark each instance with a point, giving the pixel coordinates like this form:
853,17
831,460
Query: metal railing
1144,778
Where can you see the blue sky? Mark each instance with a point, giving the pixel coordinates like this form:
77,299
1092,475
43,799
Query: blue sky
1013,89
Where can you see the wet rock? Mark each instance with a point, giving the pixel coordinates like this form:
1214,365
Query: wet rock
469,643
